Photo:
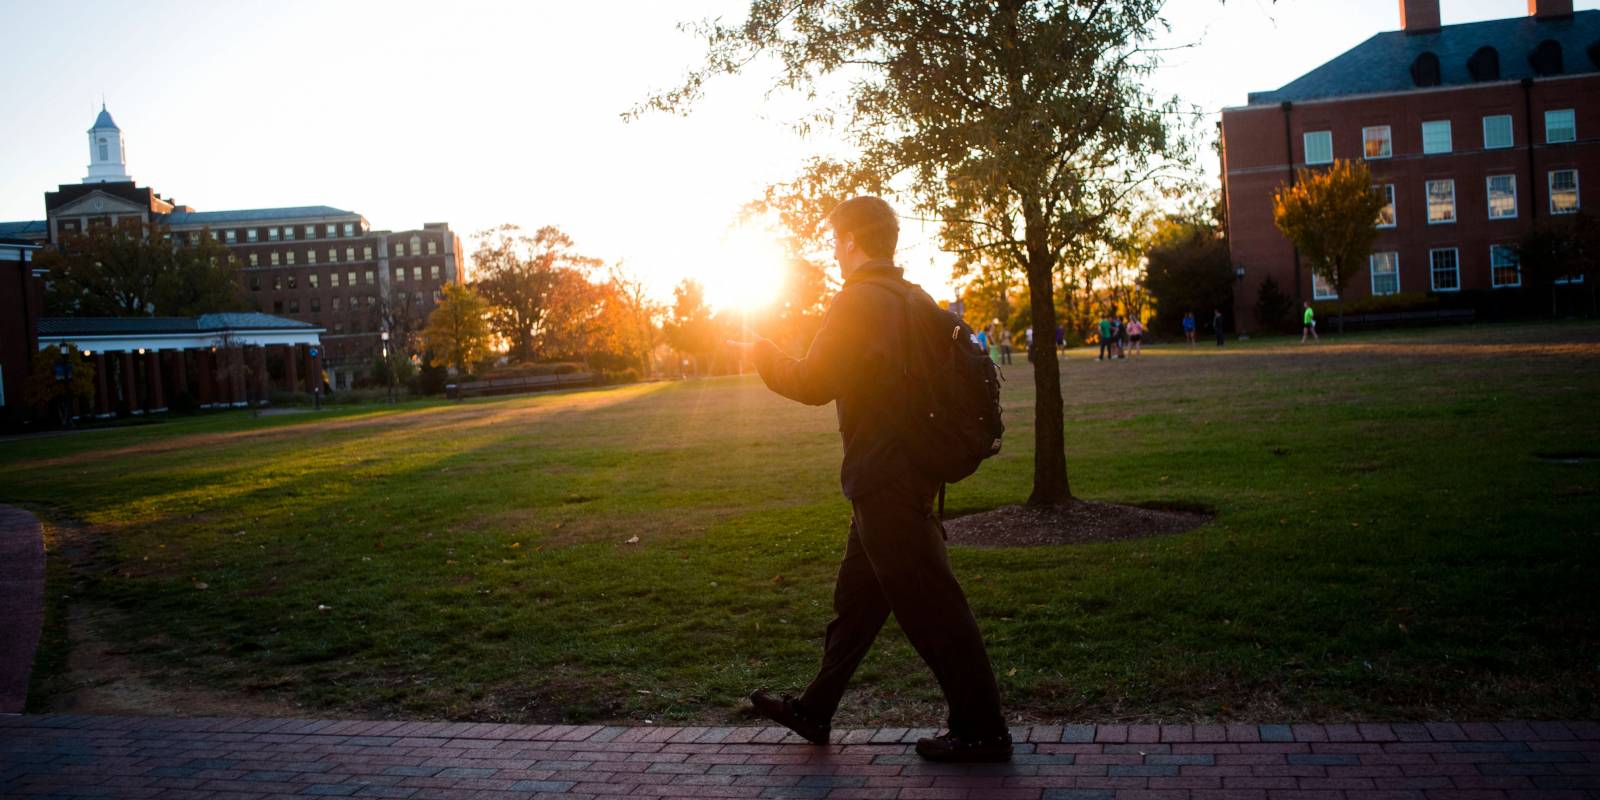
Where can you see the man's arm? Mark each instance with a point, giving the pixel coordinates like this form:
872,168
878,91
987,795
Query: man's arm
822,375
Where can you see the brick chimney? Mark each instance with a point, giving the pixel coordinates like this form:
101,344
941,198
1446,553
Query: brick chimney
1422,16
1548,9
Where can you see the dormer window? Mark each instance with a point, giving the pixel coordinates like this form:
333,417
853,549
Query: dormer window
1425,70
1546,58
1484,64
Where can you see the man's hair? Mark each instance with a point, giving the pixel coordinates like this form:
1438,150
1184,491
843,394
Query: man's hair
871,221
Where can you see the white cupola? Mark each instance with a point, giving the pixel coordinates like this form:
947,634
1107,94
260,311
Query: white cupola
108,162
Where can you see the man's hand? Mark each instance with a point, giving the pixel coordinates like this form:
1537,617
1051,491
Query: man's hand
746,344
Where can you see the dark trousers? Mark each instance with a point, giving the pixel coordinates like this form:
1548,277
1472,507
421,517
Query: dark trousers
895,562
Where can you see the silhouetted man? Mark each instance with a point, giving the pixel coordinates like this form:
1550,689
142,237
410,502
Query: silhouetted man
895,560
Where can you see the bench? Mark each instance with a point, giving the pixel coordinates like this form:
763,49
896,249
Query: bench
519,385
1393,318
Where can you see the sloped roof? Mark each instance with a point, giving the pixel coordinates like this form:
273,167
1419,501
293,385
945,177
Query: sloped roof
177,218
103,121
27,227
147,326
1383,62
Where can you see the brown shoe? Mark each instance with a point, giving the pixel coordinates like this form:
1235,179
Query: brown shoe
958,749
785,711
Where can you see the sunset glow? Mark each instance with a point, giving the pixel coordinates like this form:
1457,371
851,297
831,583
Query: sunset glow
745,271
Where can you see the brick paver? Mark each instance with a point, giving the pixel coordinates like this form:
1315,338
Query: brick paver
55,756
21,603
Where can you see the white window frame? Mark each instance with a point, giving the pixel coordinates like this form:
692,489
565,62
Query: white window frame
333,255
1571,126
1427,191
311,280
274,258
1550,191
399,274
1449,137
433,247
1494,277
230,236
1511,132
1394,209
433,272
255,260
252,235
349,254
1387,140
332,230
311,232
288,233
416,273
366,253
349,229
1306,143
333,279
272,234
1393,259
1488,196
1433,272
288,257
1322,290
311,255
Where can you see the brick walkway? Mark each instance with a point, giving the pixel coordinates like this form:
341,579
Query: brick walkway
71,756
21,603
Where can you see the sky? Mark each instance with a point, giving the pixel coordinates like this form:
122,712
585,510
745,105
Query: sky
478,113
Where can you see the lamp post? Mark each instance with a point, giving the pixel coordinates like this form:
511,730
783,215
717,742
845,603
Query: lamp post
388,364
64,378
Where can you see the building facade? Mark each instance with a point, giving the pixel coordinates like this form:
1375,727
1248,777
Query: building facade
1475,133
315,264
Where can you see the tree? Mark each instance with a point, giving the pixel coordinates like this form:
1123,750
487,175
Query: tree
134,270
458,334
46,392
1022,126
690,329
1331,216
626,326
529,283
1563,249
1187,268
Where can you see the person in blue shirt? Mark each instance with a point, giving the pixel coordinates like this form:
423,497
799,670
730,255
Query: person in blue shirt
1188,327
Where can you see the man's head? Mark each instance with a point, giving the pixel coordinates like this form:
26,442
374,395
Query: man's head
864,228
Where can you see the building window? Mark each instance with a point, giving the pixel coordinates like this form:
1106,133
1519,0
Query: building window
294,306
251,234
1386,217
1385,269
1560,126
1564,191
105,154
352,279
255,283
335,302
416,297
277,306
349,254
433,248
1497,132
371,277
272,234
349,229
288,234
1445,270
400,274
1441,202
294,281
416,273
289,258
316,305
311,280
366,253
333,280
1376,142
399,249
1319,147
1502,196
436,296
230,236
333,255
277,283
338,327
433,272
254,259
372,301
1321,289
331,230
1504,271
311,256
1436,137
273,258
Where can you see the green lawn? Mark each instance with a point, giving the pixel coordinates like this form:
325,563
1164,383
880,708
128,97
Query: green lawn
1386,545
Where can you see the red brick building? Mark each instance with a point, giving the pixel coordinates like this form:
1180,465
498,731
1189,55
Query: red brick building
1477,131
315,264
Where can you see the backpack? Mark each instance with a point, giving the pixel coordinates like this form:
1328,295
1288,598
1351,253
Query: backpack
952,389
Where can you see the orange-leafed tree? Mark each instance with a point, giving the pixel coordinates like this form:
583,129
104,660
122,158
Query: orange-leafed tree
458,329
1331,215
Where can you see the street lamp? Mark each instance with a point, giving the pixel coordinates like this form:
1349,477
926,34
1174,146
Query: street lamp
388,364
64,377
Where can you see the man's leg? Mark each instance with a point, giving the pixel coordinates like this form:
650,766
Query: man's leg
905,543
860,610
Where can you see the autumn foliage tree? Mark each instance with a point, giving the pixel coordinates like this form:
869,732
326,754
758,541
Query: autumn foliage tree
535,286
136,270
1331,216
1021,126
457,334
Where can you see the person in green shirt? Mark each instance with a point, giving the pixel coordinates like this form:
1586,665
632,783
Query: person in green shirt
1105,338
1310,325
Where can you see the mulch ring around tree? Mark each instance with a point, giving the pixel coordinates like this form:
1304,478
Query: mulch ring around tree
1083,522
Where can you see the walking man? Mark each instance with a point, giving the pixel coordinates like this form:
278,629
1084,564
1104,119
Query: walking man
1216,324
1310,325
895,560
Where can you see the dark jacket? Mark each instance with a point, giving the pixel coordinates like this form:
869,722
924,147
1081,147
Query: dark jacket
855,361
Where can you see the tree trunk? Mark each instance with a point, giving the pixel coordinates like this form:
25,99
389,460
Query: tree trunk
1050,485
1341,313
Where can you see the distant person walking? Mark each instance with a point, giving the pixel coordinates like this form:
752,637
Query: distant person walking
1105,351
983,340
1216,324
1136,334
1005,342
1310,325
1061,337
1188,327
895,560
1116,335
1028,336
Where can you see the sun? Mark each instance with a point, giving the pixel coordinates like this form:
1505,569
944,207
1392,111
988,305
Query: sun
745,271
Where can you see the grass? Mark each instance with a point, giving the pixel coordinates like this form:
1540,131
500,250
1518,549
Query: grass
1387,544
